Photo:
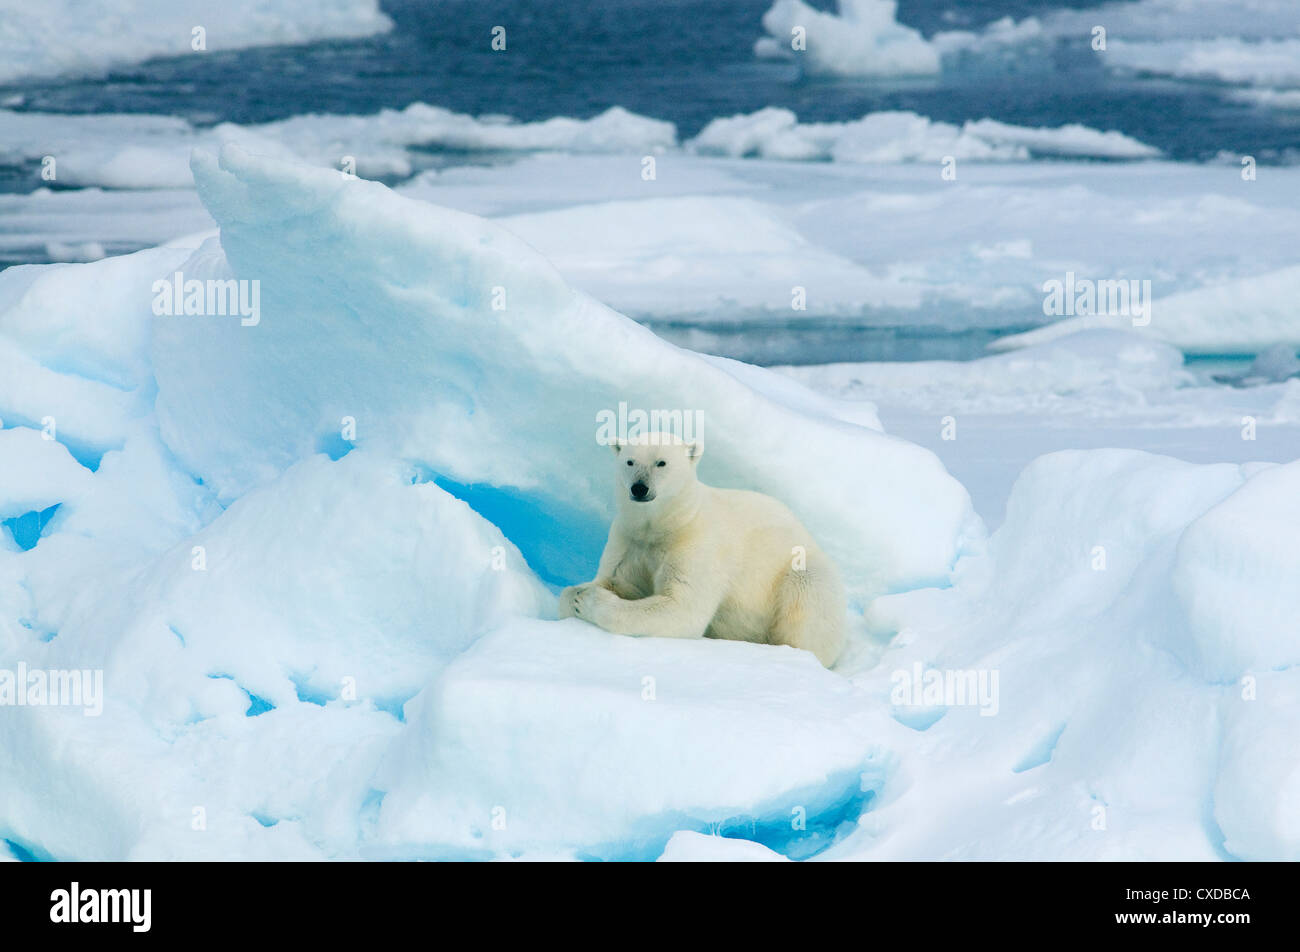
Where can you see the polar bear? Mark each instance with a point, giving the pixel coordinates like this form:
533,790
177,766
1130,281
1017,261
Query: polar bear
686,560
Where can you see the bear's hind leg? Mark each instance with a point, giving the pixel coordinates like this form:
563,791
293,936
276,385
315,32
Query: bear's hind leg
811,612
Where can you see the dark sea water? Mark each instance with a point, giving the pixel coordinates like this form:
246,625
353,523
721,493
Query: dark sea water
687,61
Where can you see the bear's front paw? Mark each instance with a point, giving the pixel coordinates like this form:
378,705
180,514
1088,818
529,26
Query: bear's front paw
590,602
567,607
573,602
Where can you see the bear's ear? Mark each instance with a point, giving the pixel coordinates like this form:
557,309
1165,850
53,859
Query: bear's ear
694,451
616,446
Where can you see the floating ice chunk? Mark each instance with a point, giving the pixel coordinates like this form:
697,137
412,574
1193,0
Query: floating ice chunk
90,36
1275,364
1268,99
131,151
325,138
1191,39
696,257
864,39
1069,140
1227,59
75,254
1108,366
1242,316
889,137
882,137
77,224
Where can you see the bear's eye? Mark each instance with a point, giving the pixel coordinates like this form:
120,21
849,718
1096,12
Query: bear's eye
661,463
629,462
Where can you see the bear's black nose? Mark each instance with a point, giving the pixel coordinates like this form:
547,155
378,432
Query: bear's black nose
639,490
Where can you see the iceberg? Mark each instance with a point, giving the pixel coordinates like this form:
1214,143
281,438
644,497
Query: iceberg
78,37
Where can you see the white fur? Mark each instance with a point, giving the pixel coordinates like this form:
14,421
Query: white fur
694,561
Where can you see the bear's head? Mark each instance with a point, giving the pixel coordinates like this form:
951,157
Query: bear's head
655,467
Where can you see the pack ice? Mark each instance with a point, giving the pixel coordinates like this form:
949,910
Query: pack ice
315,559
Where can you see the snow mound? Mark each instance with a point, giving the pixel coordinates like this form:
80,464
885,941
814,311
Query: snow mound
687,846
383,577
1235,576
91,36
1086,521
74,342
37,473
1104,741
889,137
499,404
548,735
255,667
1257,792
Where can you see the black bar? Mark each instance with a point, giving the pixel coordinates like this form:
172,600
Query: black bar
328,901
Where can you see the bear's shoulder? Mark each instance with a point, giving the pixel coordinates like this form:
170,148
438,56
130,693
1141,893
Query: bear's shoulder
747,500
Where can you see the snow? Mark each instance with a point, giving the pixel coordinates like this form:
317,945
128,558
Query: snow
36,473
59,37
429,282
633,744
687,846
1104,745
1257,793
1233,575
989,418
320,642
